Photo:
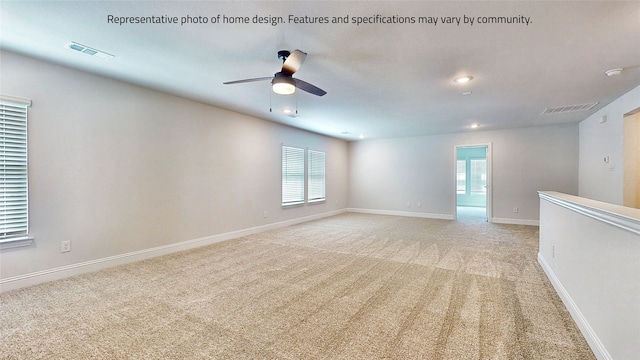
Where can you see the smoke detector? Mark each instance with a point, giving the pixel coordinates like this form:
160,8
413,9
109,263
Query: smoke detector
613,72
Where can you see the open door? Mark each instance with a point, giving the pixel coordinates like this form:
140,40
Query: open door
473,182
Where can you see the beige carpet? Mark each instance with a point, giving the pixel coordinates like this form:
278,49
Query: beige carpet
352,286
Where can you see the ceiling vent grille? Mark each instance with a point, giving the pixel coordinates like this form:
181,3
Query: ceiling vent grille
568,108
89,51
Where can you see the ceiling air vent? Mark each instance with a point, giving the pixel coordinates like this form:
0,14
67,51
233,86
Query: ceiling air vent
89,51
568,108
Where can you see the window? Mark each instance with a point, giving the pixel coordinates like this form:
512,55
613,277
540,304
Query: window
471,177
292,175
14,215
461,177
478,176
303,172
315,179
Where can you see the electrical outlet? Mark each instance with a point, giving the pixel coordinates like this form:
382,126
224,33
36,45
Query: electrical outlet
553,251
515,209
65,246
264,214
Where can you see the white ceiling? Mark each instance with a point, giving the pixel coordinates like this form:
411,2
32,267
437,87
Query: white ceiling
382,80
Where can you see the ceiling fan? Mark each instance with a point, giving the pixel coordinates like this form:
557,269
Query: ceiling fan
283,82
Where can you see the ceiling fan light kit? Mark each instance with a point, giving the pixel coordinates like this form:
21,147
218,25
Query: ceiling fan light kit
283,85
613,72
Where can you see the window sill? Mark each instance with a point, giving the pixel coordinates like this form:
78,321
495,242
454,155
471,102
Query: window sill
319,201
290,205
16,242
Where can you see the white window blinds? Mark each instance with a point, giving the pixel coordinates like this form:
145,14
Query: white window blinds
292,175
461,177
315,180
13,169
478,176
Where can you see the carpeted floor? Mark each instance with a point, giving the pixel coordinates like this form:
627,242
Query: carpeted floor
352,286
471,214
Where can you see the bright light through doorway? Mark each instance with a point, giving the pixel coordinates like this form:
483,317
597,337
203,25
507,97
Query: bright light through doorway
471,180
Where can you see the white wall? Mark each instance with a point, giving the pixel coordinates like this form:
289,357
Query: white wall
596,178
117,168
386,174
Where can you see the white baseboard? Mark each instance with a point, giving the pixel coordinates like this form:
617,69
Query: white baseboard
598,348
440,216
515,221
38,277
402,213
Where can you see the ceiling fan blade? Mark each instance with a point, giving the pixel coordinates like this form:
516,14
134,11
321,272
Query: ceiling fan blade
248,80
293,62
303,85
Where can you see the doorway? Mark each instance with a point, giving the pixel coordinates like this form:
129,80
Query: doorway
473,182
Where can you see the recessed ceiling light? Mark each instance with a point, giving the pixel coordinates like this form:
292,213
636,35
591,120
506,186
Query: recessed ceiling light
475,126
466,93
463,79
361,136
613,72
286,111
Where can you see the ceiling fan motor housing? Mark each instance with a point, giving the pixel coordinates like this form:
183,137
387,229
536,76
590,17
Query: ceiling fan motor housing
283,55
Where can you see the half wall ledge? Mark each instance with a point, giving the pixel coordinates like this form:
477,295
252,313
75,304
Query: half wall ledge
621,216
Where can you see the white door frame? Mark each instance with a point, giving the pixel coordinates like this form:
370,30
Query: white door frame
489,178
